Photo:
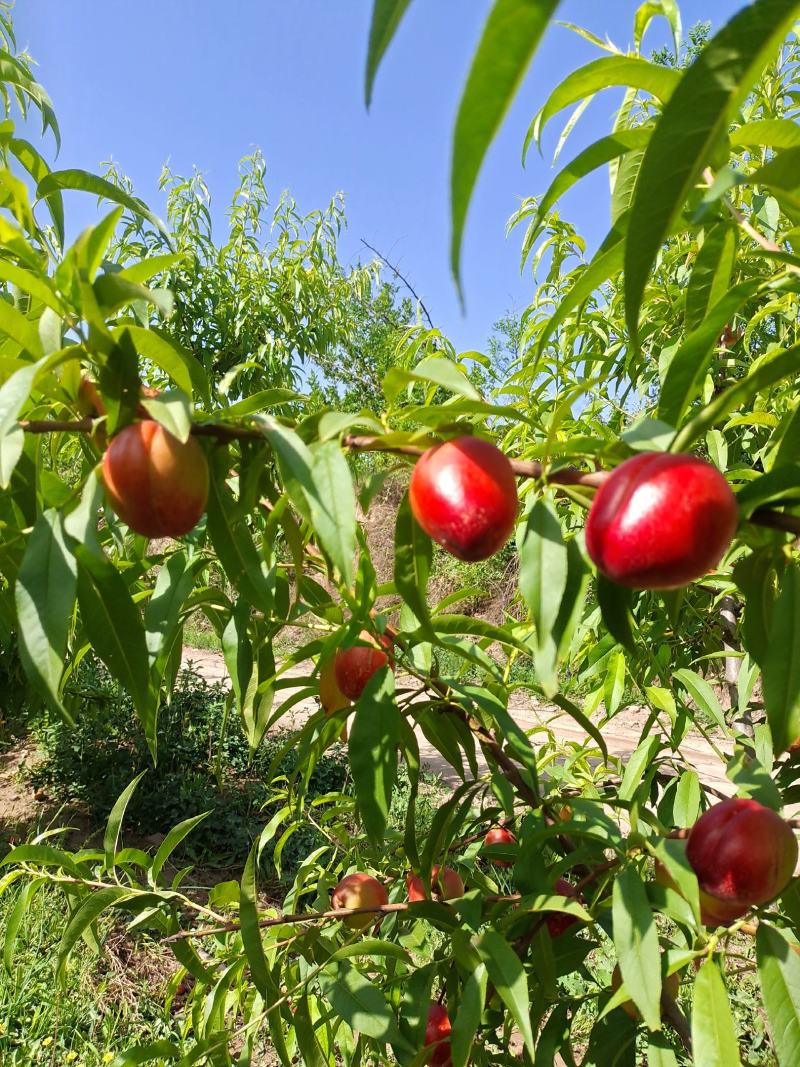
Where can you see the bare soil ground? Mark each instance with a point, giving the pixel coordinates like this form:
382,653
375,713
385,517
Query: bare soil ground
24,811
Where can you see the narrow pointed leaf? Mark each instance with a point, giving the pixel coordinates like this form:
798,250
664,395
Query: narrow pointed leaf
510,37
45,598
386,16
713,1035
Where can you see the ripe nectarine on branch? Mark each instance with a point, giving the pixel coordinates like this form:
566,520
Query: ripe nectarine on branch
437,1033
157,484
660,521
743,854
499,835
463,494
359,891
353,667
446,884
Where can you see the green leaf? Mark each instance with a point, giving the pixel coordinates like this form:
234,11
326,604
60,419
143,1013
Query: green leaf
326,484
596,155
711,273
14,919
637,765
45,598
781,667
775,133
686,807
233,542
374,736
702,694
660,1052
687,368
768,372
251,931
113,624
657,80
510,37
360,1003
694,120
85,182
507,975
413,552
713,1034
434,369
467,1020
333,505
37,285
386,16
111,836
651,9
615,606
156,1050
162,611
779,974
172,409
178,362
33,162
543,568
113,291
636,942
42,856
90,910
778,484
13,394
171,842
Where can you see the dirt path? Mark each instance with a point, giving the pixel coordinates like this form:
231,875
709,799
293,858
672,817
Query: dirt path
621,735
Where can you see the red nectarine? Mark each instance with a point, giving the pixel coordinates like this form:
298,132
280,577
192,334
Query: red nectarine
498,835
742,853
437,1032
445,884
360,891
463,493
660,521
157,484
558,922
355,666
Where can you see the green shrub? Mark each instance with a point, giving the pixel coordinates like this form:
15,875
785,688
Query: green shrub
203,764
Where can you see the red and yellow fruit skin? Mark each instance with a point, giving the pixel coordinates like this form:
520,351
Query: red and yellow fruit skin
498,835
463,493
742,853
437,1032
360,891
713,912
157,484
353,667
331,697
660,521
445,885
672,985
559,922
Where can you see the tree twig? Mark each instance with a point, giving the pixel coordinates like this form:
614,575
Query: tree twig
318,916
402,278
523,468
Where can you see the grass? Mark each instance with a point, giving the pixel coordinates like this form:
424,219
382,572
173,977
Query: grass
106,1005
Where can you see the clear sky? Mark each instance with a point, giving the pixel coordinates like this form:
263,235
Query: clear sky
196,82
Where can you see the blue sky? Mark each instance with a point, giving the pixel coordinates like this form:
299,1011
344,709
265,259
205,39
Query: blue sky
202,84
